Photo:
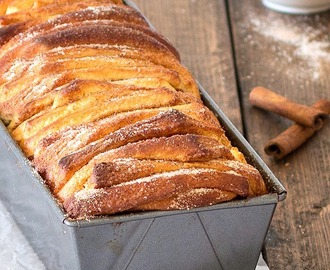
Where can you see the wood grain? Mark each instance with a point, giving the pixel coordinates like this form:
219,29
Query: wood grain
290,55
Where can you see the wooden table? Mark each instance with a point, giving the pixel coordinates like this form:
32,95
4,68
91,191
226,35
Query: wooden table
232,46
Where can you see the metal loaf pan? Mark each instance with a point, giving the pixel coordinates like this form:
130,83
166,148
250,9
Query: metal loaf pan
224,236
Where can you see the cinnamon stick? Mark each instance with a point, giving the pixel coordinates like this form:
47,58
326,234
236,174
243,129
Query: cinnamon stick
295,135
270,101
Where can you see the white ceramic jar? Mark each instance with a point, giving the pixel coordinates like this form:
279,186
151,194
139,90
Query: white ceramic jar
298,6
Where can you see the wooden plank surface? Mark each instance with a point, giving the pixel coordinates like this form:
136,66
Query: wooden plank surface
199,31
290,55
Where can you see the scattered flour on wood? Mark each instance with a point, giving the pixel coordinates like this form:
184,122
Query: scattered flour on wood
307,36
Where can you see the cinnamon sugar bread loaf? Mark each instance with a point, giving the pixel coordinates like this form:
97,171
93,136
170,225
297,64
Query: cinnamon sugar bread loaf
108,115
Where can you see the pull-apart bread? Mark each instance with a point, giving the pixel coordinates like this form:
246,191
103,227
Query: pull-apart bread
108,115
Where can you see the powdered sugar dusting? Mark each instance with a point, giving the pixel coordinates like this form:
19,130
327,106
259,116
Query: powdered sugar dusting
88,194
307,38
166,174
100,9
17,64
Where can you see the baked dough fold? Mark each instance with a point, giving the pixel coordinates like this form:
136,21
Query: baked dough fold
107,113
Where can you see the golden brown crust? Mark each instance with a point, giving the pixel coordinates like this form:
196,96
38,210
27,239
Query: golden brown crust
106,32
45,69
162,125
193,198
93,108
18,10
30,98
14,90
55,59
57,15
118,171
86,32
65,142
68,93
44,84
183,148
123,197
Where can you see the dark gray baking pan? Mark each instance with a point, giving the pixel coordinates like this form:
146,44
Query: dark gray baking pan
225,236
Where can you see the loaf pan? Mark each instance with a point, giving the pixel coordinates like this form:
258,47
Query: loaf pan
224,236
